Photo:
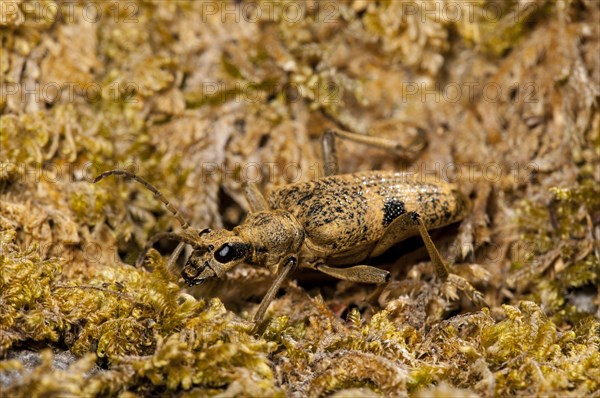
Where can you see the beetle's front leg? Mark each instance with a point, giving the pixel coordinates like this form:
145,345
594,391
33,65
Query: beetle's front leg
285,268
256,200
175,256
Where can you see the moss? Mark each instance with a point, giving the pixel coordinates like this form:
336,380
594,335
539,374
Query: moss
539,357
522,352
563,234
138,322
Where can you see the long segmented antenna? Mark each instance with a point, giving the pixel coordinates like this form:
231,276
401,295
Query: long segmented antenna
164,235
157,194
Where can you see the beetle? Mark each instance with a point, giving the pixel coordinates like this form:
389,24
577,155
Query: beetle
330,224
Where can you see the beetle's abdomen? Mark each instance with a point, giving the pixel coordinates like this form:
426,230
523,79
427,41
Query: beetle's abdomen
344,211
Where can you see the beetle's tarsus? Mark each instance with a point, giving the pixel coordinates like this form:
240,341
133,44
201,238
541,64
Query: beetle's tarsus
474,295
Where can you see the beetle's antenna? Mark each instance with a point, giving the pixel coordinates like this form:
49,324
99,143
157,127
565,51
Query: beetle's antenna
164,235
157,194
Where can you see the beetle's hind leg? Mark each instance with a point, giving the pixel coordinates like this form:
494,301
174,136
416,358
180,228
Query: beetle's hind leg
442,270
331,166
407,225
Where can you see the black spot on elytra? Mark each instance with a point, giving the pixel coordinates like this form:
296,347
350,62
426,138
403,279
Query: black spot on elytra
392,209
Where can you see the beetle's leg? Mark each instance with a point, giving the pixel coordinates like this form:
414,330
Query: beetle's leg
285,268
330,153
256,200
331,166
408,224
358,273
182,237
401,228
442,270
174,256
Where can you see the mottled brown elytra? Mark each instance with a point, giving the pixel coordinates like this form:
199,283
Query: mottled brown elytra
329,224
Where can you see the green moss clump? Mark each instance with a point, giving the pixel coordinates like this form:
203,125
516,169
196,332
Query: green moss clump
523,352
562,243
540,358
140,324
25,283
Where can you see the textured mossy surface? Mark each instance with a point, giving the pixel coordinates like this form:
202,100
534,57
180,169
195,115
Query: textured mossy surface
197,96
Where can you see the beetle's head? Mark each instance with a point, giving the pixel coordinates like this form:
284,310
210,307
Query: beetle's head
218,252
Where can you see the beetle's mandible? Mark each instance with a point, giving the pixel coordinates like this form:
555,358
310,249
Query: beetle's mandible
330,224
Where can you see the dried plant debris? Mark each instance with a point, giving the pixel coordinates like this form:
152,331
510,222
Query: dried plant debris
199,96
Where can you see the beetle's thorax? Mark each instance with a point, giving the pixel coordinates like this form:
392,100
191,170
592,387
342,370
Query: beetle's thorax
272,234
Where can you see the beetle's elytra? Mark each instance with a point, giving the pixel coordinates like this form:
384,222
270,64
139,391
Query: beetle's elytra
348,214
331,224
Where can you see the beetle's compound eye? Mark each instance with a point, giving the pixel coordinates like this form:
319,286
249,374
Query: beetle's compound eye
230,252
